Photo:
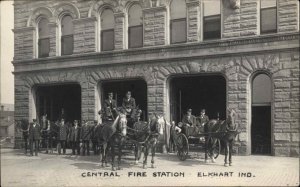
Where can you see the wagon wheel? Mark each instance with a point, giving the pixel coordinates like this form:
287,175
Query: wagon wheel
214,147
182,147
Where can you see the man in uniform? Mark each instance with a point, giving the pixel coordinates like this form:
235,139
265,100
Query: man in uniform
189,121
129,105
110,105
202,119
94,136
85,137
63,134
34,137
74,138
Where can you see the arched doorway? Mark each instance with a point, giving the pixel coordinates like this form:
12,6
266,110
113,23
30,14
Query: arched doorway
261,114
138,88
197,92
59,101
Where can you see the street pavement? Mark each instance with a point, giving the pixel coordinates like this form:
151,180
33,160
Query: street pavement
67,170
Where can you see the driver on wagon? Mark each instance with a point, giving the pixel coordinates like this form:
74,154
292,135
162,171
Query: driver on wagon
110,106
129,105
189,119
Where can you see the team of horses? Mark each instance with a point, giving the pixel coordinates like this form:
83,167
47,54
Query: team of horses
113,135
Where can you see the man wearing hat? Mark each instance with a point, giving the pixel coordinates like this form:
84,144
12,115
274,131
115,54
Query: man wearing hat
63,134
85,136
129,105
189,119
74,138
110,106
94,137
203,118
34,137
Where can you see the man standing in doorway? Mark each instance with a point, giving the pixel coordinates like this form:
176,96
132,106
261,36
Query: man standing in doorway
34,137
129,105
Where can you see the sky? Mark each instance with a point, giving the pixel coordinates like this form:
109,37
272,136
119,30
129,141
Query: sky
6,52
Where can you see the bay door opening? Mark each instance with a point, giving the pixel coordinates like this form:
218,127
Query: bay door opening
197,92
59,101
261,115
119,88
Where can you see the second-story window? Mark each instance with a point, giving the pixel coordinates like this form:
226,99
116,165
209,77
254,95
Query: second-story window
107,30
43,41
212,20
135,26
178,25
268,16
67,35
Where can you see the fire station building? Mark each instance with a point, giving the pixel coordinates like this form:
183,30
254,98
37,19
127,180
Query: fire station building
172,55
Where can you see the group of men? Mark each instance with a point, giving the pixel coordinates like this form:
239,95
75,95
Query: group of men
190,120
110,106
192,125
75,134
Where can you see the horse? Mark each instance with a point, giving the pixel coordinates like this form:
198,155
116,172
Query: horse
112,134
226,131
146,135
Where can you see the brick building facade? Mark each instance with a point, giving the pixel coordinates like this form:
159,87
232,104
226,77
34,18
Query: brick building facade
240,53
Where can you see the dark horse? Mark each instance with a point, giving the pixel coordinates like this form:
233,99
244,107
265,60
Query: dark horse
112,134
226,131
145,135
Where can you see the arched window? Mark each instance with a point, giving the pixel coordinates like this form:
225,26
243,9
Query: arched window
212,19
135,26
261,114
43,38
178,27
107,30
268,9
261,90
67,35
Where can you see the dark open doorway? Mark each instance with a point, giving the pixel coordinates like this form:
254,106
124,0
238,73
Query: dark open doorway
261,130
59,101
138,88
198,92
261,115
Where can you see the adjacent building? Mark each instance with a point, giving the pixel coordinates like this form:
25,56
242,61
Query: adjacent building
172,55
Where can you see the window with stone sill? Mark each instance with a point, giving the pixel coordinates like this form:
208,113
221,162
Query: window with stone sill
43,38
178,24
67,41
212,20
135,26
107,30
268,16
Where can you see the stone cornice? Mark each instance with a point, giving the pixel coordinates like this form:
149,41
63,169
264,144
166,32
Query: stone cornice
220,48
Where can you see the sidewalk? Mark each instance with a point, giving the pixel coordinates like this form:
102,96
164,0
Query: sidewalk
66,170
